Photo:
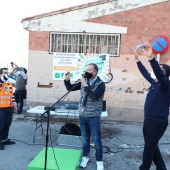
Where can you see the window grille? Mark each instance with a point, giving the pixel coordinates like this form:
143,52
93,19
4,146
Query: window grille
85,43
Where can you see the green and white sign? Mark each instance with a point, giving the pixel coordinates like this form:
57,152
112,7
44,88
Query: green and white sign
76,63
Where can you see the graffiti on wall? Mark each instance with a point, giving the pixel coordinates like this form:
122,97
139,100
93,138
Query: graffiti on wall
127,90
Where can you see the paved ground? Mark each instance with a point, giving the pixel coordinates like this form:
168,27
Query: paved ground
123,145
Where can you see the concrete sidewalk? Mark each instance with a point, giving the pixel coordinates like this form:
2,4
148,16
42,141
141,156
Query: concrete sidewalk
122,144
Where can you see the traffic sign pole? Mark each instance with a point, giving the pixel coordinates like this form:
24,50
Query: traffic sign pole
158,57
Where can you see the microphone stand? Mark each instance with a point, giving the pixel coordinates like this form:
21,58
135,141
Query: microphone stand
48,120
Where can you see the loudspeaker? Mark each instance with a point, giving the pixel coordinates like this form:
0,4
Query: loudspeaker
70,140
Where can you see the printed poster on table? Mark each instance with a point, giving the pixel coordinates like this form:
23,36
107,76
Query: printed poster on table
76,64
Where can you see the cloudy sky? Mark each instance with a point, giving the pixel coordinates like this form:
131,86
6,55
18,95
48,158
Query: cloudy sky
13,38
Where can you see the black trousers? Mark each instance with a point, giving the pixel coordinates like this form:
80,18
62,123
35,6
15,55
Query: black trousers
152,132
19,97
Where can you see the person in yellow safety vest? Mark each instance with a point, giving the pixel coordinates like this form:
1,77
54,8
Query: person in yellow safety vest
7,107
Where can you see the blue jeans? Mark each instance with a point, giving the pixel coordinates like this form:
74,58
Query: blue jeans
152,132
6,115
91,125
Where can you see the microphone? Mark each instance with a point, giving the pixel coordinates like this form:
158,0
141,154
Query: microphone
83,75
77,81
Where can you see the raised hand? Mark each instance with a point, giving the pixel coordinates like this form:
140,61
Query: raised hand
148,51
67,75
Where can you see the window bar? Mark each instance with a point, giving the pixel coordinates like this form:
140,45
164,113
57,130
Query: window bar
67,45
78,43
54,48
87,43
61,43
112,45
91,45
96,44
56,42
71,43
100,44
75,43
63,49
52,43
84,43
107,43
64,37
118,44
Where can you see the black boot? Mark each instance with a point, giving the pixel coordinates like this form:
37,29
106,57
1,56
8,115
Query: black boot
2,146
9,142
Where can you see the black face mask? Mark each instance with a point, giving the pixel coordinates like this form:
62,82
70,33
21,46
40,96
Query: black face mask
87,75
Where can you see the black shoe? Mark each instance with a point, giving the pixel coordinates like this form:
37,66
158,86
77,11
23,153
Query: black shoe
2,146
18,113
9,142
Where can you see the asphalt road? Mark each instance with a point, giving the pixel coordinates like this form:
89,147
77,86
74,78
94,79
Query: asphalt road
122,144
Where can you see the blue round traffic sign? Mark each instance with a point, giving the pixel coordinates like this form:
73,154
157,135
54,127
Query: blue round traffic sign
160,44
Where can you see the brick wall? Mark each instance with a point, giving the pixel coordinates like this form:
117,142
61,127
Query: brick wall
126,94
143,24
39,41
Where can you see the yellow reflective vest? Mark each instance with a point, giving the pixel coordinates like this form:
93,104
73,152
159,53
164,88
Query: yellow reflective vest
6,93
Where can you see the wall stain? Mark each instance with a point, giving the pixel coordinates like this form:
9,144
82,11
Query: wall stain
140,92
129,90
103,11
124,70
50,85
93,12
119,90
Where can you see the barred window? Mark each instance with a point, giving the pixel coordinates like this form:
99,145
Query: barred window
85,43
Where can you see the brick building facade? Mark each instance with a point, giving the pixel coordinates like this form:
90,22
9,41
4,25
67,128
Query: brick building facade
136,21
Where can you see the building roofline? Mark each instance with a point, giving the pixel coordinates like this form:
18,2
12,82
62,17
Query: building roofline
64,10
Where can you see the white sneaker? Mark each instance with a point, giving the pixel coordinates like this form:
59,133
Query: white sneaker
84,162
100,165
